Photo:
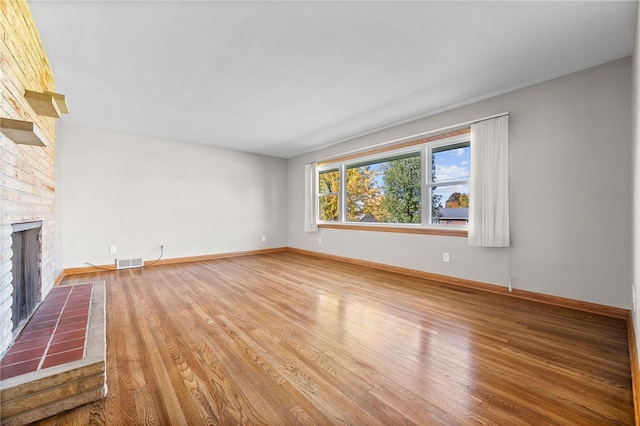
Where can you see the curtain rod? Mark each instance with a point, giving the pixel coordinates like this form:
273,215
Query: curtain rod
416,136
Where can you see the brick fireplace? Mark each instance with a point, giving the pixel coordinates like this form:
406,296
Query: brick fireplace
27,184
58,360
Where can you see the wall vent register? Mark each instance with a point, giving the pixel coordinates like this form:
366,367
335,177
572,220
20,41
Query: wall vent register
136,262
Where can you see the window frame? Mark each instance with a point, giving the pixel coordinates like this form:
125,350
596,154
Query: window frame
422,146
319,194
429,181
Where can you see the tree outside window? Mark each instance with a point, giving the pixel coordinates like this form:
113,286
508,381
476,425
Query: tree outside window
329,195
386,191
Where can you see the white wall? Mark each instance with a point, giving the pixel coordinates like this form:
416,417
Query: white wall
140,192
636,174
570,193
59,207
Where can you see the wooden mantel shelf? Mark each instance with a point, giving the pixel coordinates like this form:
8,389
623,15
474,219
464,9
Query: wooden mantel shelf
49,104
22,132
60,100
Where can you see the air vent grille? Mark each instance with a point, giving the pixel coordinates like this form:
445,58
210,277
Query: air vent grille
136,262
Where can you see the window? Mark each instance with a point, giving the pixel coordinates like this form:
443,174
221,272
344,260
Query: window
386,190
422,183
329,195
449,183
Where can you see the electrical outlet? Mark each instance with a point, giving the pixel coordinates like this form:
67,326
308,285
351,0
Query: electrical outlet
445,257
113,249
319,240
633,297
264,238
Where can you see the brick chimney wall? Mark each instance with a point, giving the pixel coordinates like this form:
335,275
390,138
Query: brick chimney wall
27,183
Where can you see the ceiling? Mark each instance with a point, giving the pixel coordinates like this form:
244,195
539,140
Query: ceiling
285,78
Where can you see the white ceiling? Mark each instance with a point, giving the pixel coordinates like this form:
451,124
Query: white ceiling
284,78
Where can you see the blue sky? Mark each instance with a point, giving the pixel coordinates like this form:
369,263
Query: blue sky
451,165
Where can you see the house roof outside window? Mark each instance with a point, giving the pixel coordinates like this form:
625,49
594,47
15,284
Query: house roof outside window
457,213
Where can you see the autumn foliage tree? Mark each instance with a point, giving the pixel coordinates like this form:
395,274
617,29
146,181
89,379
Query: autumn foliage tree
457,200
328,188
363,194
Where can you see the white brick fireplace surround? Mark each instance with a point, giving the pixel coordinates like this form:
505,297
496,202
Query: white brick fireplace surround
27,182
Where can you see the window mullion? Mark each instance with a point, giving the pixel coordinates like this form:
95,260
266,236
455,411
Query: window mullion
343,194
449,183
425,211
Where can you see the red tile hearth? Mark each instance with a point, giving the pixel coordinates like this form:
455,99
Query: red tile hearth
55,335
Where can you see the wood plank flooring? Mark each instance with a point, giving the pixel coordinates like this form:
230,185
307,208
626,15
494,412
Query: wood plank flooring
284,339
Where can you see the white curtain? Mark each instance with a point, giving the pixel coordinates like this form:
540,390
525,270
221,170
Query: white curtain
489,192
310,224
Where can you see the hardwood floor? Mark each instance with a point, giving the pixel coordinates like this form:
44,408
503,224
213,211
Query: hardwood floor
288,339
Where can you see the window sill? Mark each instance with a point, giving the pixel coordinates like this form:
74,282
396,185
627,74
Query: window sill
397,229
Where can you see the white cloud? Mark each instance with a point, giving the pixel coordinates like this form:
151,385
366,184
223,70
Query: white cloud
446,191
450,172
458,152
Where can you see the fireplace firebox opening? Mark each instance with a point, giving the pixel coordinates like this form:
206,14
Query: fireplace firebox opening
26,277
